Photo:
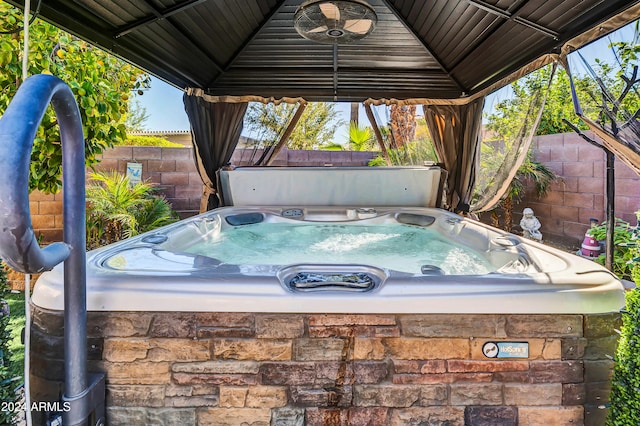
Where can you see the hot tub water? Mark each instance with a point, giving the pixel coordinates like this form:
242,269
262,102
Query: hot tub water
393,246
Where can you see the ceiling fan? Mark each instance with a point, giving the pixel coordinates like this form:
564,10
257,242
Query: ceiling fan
335,21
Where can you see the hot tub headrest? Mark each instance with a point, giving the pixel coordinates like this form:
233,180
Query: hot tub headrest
332,186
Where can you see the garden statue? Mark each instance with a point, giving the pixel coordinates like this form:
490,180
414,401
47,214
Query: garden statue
530,225
590,246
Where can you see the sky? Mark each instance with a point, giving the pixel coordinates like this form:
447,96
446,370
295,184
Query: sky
164,106
163,102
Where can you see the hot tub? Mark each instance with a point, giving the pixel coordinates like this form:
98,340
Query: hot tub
335,260
313,299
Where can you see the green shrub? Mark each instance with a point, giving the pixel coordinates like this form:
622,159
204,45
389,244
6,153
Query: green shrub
416,152
624,251
116,209
150,141
7,382
625,384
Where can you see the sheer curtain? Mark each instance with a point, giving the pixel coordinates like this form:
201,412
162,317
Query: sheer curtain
506,144
216,128
456,132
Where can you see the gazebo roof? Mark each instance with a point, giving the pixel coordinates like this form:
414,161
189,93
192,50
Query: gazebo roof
419,48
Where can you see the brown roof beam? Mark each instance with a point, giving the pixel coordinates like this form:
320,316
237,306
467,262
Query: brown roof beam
156,16
435,57
518,19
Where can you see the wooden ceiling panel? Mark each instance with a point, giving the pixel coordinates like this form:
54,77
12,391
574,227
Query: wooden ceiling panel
420,48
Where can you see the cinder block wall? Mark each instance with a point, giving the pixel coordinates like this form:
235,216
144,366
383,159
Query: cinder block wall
192,368
175,173
580,193
564,212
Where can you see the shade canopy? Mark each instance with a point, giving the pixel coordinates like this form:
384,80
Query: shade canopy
418,49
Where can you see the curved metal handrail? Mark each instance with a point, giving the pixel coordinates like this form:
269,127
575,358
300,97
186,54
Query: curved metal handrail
18,244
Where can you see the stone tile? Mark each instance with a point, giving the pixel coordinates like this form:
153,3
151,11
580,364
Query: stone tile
426,348
328,320
192,401
320,349
491,416
536,416
173,325
476,394
452,325
120,416
386,395
368,349
252,349
325,396
135,395
136,373
233,417
573,348
464,366
279,326
556,371
601,325
530,394
217,367
127,350
573,394
266,396
450,416
287,416
430,379
347,417
233,396
598,371
214,379
544,326
280,373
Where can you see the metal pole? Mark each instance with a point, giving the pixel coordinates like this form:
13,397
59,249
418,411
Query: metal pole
75,303
18,244
611,219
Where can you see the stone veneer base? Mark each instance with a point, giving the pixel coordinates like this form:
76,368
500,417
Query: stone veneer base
308,369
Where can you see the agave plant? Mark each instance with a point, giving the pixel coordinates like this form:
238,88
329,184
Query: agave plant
118,209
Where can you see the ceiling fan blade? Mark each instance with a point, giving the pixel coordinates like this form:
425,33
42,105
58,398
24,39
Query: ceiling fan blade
330,11
318,29
358,26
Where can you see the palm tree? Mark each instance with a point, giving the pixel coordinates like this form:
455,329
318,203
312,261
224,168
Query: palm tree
360,138
403,124
116,209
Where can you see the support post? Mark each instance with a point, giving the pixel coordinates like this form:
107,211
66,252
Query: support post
609,195
287,133
611,219
376,130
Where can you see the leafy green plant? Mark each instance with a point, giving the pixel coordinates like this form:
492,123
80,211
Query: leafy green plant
101,83
116,209
625,383
623,252
16,325
7,383
361,138
315,128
